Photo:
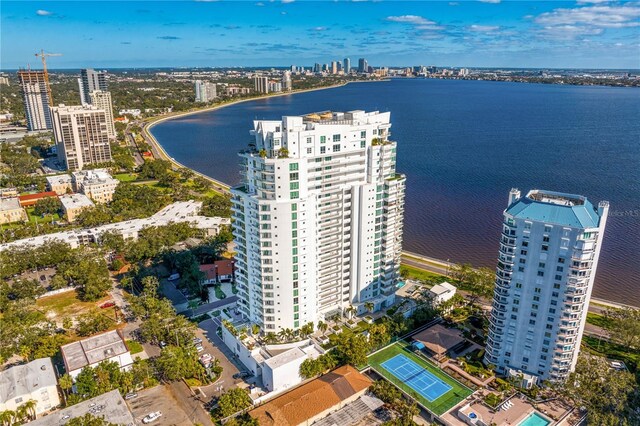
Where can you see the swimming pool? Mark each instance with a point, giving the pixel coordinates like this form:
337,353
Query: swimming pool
534,419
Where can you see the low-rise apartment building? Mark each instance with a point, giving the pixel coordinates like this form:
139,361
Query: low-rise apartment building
74,204
180,212
34,381
109,346
96,184
11,211
60,184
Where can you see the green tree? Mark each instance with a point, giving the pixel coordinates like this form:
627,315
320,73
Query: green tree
89,420
92,323
351,349
177,362
610,396
232,401
625,326
66,383
95,216
47,205
218,205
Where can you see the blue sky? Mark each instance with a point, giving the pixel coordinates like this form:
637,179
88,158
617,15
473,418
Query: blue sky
586,33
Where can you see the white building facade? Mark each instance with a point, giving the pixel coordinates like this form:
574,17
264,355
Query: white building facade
318,220
82,135
102,100
549,252
33,381
205,91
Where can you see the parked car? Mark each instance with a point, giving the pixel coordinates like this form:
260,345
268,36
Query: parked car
173,277
151,417
130,395
242,375
108,304
197,341
199,348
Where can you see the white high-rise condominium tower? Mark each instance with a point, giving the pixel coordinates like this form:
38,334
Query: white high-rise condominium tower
102,100
89,81
205,91
347,65
286,81
81,135
35,96
318,219
261,84
549,252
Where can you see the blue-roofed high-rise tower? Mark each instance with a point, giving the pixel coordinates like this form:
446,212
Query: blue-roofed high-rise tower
549,250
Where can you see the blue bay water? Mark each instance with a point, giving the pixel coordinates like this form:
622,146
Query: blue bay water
463,145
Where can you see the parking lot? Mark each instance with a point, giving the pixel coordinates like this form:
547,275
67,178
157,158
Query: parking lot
160,399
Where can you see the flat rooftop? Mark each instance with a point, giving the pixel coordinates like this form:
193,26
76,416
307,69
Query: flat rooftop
110,405
285,358
93,350
74,201
11,203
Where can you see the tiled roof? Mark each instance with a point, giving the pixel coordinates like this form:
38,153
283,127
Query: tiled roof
309,400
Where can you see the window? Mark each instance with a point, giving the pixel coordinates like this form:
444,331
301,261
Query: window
323,149
523,252
541,265
293,166
336,147
556,286
294,185
545,247
293,176
521,269
309,150
541,273
523,261
294,216
518,285
561,260
525,244
336,138
295,194
294,207
532,322
363,144
558,277
363,134
323,139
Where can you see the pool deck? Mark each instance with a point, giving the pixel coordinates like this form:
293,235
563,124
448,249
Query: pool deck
511,417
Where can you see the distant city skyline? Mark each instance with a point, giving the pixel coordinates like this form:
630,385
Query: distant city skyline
489,33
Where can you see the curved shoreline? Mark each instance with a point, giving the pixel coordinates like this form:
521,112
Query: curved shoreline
224,188
221,186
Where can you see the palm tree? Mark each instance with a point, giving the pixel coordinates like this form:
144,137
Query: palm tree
282,334
323,326
6,417
270,338
30,409
351,310
369,306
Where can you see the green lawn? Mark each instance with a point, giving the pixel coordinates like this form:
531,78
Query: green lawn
599,320
219,293
46,219
417,274
126,177
442,404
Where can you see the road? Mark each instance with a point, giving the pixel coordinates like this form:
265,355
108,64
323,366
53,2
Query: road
230,365
443,268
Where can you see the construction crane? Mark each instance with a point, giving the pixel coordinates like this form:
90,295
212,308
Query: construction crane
43,55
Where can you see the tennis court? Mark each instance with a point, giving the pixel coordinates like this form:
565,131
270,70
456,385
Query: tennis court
419,379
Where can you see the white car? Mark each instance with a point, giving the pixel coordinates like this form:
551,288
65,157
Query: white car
151,417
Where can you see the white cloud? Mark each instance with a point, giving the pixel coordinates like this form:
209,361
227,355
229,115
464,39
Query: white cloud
569,32
592,1
288,1
319,29
490,1
259,4
41,12
484,28
410,19
593,16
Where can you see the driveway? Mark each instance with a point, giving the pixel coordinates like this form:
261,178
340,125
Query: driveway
230,365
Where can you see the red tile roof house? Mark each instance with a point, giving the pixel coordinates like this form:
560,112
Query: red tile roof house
218,272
